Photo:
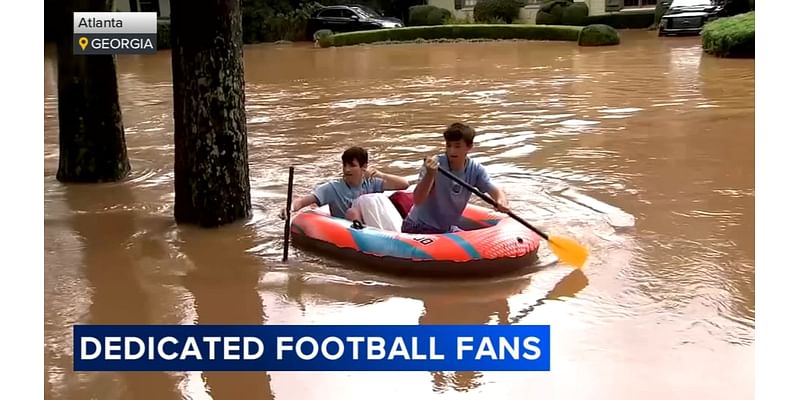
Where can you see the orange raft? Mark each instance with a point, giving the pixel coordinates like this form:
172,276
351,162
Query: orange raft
491,244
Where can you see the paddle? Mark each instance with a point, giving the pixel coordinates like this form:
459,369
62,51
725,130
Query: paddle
286,226
566,249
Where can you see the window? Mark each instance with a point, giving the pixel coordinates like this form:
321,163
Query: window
330,13
471,3
640,3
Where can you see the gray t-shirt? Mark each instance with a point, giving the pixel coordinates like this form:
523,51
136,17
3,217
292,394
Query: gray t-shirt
339,196
448,199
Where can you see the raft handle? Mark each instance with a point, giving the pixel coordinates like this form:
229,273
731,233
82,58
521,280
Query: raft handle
357,225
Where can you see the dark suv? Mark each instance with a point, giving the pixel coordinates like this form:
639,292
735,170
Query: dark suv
348,19
688,16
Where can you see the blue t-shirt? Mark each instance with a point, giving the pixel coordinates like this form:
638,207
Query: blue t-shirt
339,196
448,199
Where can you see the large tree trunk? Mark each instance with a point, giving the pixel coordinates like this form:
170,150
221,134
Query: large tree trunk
91,135
212,178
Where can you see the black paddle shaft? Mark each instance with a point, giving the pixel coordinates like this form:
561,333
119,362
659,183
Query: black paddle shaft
491,201
286,227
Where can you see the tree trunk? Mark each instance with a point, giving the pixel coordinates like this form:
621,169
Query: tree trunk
91,134
212,178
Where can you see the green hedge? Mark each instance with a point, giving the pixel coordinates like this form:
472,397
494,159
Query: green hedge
566,12
624,20
426,15
575,14
598,35
454,32
562,12
733,37
497,10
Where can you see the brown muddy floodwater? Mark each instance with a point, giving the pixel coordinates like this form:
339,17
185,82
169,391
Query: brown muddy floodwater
652,130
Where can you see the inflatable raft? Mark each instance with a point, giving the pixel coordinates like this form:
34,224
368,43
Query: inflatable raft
491,244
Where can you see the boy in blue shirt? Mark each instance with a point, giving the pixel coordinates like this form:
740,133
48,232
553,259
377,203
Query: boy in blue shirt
358,178
439,201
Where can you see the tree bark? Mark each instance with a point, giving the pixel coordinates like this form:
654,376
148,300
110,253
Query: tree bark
212,183
91,134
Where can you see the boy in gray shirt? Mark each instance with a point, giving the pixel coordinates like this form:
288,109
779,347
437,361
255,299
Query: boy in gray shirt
439,201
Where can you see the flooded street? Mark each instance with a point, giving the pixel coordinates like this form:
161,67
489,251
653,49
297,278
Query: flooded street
584,141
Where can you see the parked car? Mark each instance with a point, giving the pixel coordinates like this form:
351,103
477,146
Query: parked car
687,17
373,14
348,19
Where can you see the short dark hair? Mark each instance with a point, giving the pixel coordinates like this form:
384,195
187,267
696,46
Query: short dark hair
458,131
355,153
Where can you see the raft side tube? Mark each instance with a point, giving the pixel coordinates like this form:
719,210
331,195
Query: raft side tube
429,268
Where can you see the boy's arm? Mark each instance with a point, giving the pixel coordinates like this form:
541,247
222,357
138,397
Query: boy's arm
320,197
300,203
427,179
392,182
303,202
485,184
500,197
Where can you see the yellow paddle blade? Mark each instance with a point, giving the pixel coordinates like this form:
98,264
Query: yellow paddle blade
568,250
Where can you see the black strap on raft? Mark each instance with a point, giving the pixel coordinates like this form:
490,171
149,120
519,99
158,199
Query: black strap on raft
357,224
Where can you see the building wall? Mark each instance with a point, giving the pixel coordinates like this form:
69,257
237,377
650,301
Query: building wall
528,13
596,7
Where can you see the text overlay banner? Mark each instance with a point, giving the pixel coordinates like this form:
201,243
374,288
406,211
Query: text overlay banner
311,347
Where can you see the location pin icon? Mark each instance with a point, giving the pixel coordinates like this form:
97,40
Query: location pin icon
83,41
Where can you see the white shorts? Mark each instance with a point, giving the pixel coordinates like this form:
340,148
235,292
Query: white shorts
377,211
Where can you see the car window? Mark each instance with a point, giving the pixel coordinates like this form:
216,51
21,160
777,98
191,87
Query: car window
369,12
348,14
332,13
690,3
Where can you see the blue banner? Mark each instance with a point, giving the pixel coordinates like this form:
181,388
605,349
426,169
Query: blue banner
311,347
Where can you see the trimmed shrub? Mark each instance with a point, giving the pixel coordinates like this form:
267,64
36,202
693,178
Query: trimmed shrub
454,32
575,14
458,21
548,5
557,10
545,18
598,35
426,15
321,34
562,12
492,10
624,20
733,37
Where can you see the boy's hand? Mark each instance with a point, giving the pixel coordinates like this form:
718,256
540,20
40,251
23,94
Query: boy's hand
502,205
431,164
373,173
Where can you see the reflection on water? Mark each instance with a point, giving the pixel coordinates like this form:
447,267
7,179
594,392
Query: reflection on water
586,141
